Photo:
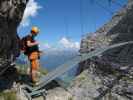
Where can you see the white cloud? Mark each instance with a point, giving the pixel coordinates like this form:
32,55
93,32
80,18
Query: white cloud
30,11
63,44
68,44
45,46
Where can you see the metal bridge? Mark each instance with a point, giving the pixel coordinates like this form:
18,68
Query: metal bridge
40,90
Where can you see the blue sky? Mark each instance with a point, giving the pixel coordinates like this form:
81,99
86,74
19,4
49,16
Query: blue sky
64,22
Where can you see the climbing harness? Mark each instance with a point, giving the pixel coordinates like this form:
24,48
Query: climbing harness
40,88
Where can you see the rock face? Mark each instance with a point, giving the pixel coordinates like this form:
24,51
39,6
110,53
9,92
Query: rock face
109,76
58,94
11,13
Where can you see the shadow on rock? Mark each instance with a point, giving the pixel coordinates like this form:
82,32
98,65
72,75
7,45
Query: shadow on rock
8,78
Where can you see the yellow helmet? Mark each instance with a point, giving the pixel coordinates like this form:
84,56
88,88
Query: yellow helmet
35,30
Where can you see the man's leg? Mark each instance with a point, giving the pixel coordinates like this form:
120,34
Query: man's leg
34,70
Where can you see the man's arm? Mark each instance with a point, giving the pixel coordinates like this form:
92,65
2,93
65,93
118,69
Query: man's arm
30,44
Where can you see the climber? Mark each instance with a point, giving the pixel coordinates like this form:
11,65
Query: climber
31,49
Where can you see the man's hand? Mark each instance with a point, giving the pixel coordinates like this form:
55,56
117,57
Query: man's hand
31,44
36,43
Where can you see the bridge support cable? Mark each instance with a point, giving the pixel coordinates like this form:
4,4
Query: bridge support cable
103,7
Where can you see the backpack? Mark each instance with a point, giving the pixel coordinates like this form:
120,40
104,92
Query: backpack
23,45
